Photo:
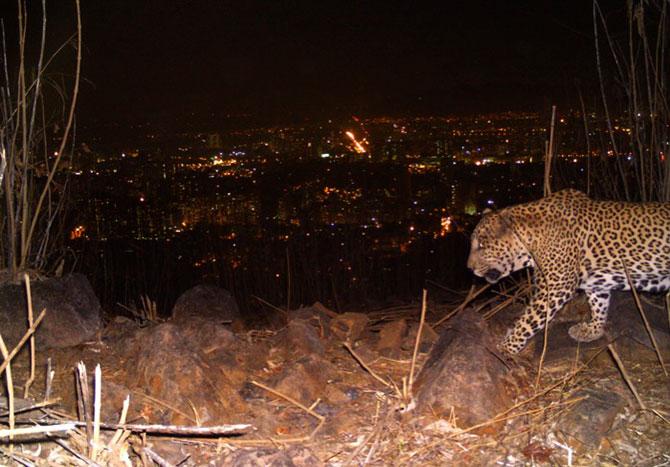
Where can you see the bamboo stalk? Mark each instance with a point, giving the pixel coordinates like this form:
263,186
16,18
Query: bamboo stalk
29,299
10,389
122,420
11,432
83,401
66,133
97,402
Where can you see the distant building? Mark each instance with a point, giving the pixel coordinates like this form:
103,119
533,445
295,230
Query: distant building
214,141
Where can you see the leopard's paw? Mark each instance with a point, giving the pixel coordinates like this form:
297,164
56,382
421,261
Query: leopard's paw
586,332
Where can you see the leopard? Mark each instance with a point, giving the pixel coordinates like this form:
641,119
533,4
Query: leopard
572,243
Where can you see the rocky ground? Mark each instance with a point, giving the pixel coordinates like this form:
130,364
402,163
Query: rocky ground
323,388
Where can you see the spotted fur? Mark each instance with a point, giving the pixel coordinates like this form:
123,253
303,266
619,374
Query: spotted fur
573,243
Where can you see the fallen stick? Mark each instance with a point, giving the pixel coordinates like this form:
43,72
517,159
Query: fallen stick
156,458
72,451
39,405
177,430
44,428
165,405
309,410
367,368
290,399
626,378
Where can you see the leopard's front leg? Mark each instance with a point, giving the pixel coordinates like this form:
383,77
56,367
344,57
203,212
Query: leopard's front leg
544,303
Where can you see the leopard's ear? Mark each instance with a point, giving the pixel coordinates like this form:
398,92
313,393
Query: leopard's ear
487,211
524,220
506,223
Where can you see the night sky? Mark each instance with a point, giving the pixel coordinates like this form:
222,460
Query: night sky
281,60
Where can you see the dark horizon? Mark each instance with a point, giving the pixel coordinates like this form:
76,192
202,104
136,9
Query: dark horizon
279,63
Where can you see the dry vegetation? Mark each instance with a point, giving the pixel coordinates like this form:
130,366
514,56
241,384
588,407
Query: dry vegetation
34,430
382,431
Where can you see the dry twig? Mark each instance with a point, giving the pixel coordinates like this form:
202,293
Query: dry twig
624,373
417,343
309,410
644,318
366,367
22,341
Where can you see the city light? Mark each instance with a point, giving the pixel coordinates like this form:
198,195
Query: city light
358,147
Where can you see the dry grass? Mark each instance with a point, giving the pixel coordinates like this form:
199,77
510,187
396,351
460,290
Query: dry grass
530,431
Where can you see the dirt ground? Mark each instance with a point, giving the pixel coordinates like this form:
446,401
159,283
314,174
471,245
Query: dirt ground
313,401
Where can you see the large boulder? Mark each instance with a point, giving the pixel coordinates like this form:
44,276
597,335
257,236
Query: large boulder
206,301
73,311
463,374
590,419
174,363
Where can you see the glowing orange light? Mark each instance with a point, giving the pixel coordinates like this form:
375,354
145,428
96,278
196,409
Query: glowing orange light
77,232
445,225
358,147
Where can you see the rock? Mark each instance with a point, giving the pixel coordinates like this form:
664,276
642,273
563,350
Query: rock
626,323
625,327
296,456
299,338
208,302
166,364
590,419
73,311
428,337
560,346
305,379
462,372
324,310
349,326
391,337
344,421
316,315
208,336
316,311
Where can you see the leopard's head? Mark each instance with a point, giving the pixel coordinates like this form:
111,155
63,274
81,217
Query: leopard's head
496,250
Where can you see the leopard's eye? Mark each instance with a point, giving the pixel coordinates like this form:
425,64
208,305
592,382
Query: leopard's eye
479,245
